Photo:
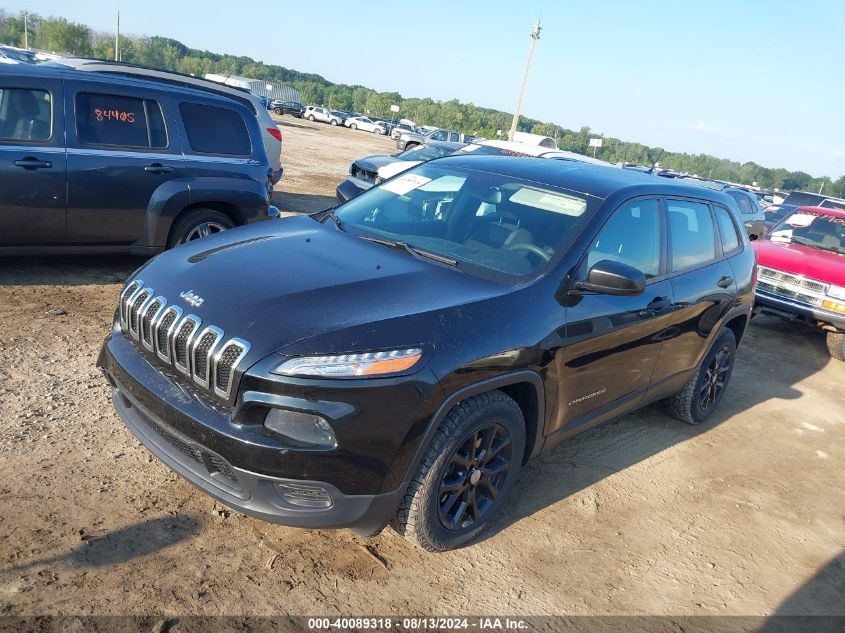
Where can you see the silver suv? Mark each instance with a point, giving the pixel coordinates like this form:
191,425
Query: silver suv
313,113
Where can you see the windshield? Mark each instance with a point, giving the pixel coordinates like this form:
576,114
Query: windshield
424,153
823,231
483,221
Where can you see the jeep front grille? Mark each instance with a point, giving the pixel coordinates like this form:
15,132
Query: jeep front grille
177,338
800,289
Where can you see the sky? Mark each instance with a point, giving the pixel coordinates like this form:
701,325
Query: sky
749,80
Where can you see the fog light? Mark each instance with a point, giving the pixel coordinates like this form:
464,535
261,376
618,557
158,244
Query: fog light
305,429
305,496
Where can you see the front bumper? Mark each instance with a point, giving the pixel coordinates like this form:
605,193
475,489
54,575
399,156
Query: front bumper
350,188
199,442
784,307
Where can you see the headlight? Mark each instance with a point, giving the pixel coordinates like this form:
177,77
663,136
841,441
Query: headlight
351,365
303,428
379,180
837,292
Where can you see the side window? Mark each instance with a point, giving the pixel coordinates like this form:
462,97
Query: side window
631,236
25,114
454,137
439,136
727,229
214,130
103,119
745,206
691,232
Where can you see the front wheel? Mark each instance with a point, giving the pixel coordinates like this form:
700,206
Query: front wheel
836,345
279,111
465,475
376,131
353,127
311,118
196,224
333,121
701,396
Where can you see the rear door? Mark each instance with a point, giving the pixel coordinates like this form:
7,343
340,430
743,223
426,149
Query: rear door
613,342
702,284
121,156
33,167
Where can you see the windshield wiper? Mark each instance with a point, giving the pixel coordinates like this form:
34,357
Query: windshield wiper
413,250
329,213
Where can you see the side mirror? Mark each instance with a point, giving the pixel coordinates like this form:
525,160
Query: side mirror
614,278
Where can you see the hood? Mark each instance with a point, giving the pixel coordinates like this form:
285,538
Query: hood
801,260
282,281
375,162
397,167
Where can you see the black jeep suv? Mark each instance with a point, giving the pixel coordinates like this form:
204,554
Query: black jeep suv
425,339
92,162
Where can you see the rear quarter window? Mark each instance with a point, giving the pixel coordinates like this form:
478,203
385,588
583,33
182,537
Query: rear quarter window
727,229
215,130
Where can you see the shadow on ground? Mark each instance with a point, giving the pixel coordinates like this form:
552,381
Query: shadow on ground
592,456
135,541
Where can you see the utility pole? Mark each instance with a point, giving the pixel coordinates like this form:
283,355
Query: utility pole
25,31
117,40
535,35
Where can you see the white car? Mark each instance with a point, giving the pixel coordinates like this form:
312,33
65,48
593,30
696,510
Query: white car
313,113
363,123
515,148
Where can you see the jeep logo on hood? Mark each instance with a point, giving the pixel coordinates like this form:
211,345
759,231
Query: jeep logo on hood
194,299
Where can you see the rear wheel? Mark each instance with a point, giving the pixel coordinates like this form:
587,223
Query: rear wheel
311,117
836,345
333,121
279,111
376,130
701,396
353,127
196,224
465,475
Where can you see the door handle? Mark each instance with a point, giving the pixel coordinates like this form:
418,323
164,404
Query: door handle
654,306
725,281
30,162
157,168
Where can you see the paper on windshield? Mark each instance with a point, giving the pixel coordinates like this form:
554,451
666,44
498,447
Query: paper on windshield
405,184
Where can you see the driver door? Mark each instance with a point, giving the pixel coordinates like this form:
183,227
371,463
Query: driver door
612,342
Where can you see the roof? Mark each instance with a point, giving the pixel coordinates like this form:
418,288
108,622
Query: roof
55,70
593,180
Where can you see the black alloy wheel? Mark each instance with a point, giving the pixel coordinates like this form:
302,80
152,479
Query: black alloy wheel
715,378
475,475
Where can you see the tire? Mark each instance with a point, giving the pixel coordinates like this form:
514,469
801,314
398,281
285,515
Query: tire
376,131
196,224
353,127
836,345
311,118
490,417
333,122
701,396
410,145
279,111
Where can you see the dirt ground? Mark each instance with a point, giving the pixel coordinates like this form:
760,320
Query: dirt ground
643,516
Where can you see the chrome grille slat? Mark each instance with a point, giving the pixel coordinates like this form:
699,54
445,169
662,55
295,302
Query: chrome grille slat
202,352
225,362
176,339
183,336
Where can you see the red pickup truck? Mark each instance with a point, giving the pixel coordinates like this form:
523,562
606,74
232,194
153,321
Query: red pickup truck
801,272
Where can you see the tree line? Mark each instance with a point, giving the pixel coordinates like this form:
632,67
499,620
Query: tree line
59,35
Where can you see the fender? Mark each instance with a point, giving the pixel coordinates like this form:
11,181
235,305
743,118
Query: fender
504,380
165,204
